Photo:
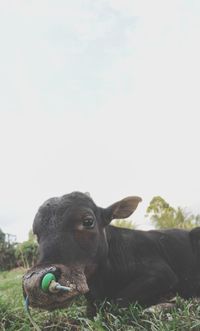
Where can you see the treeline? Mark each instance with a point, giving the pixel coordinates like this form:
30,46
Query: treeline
160,213
14,255
163,216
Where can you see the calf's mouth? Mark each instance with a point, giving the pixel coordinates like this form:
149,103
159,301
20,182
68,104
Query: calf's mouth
73,278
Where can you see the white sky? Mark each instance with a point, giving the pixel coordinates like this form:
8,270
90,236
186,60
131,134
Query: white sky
100,96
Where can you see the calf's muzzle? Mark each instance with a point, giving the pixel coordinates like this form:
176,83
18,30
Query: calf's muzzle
55,291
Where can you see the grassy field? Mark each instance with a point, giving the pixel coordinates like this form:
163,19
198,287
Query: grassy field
185,315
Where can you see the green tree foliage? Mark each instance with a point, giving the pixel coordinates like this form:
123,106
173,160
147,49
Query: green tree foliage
123,223
26,252
2,237
7,253
13,254
163,215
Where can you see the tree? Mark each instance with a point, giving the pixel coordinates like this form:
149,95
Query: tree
123,223
2,237
26,252
163,215
7,253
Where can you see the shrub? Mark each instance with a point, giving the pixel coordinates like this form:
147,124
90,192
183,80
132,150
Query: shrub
26,253
124,223
7,253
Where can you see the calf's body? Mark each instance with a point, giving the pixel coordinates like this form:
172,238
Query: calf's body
78,245
147,266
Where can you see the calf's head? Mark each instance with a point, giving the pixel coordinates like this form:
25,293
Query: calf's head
72,242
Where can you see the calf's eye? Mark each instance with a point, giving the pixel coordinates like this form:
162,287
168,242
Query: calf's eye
88,223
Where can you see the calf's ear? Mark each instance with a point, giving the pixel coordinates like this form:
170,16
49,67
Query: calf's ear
121,209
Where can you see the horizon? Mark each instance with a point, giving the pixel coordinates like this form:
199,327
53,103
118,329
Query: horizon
145,225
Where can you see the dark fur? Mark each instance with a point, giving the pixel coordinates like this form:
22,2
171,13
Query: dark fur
148,266
125,265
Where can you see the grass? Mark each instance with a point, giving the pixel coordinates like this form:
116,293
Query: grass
184,316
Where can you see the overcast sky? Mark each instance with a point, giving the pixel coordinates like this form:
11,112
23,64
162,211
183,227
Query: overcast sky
100,96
